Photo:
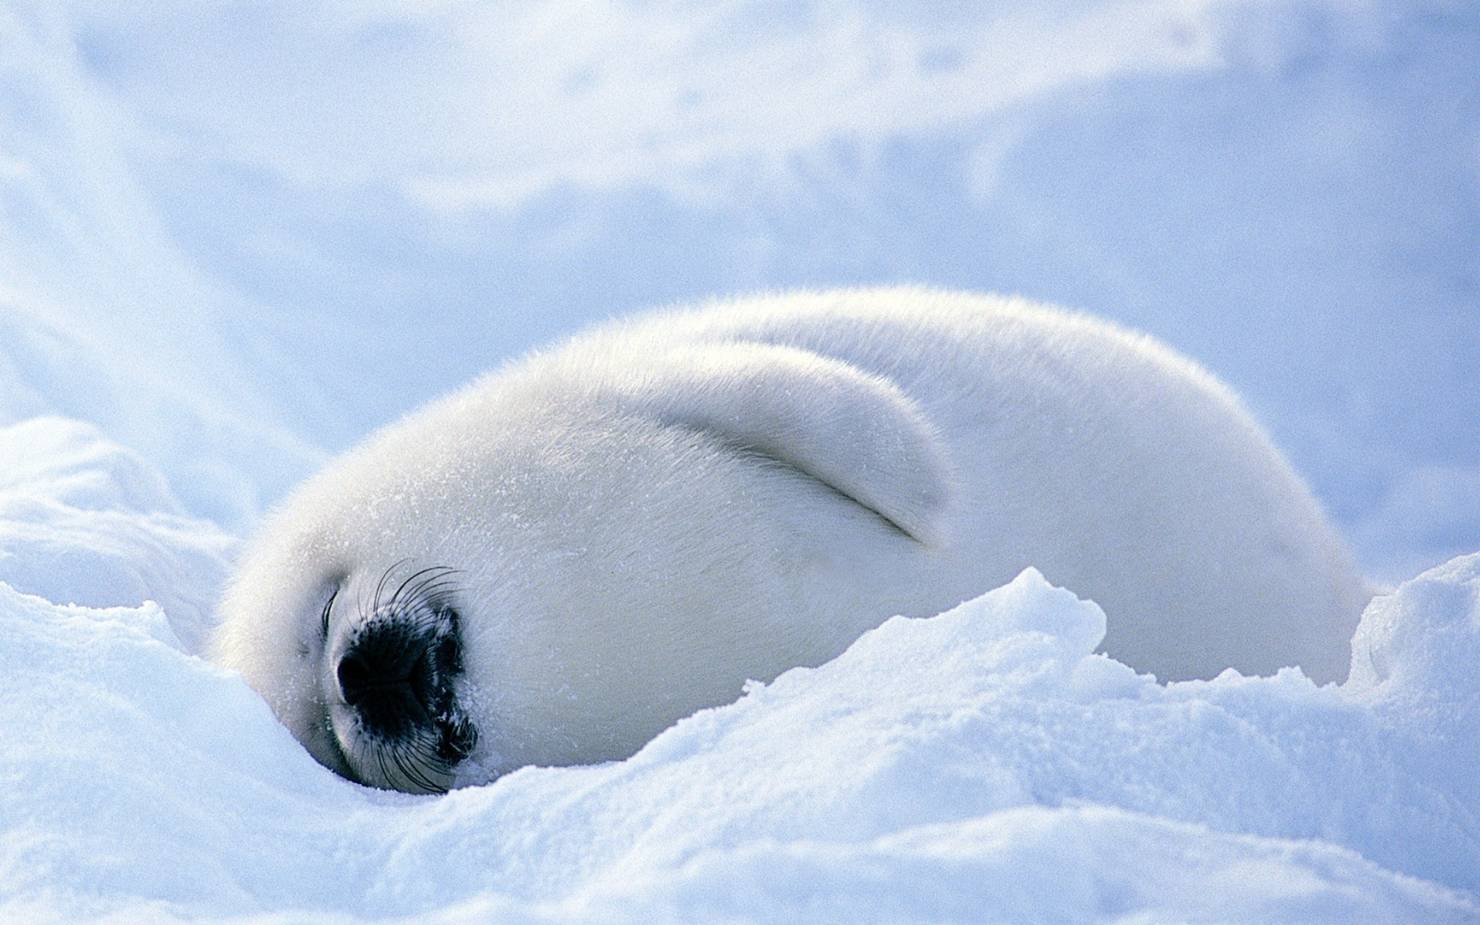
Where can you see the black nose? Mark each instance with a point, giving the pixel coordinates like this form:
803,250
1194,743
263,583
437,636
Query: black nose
387,673
355,674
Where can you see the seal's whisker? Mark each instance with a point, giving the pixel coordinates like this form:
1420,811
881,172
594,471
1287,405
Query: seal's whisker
432,569
380,585
431,588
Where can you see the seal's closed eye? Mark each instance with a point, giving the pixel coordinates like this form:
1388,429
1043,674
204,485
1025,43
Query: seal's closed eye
324,617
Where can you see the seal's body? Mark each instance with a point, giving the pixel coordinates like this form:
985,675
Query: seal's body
562,559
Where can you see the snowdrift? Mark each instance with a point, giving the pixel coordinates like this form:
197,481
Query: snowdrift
982,765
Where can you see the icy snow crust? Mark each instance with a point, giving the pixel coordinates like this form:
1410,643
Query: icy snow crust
982,765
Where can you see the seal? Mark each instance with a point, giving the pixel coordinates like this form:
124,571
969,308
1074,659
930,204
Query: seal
560,560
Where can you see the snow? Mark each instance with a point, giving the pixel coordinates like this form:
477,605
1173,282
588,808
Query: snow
84,521
235,239
984,764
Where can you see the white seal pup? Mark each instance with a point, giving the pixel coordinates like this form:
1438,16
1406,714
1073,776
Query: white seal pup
557,562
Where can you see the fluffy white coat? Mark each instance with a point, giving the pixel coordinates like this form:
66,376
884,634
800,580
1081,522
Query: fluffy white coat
662,508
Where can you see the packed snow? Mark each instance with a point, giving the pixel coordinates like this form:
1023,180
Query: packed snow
235,239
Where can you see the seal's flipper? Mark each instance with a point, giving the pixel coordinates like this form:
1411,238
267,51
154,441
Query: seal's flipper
856,433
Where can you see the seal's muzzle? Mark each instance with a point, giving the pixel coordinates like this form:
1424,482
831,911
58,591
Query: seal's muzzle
395,674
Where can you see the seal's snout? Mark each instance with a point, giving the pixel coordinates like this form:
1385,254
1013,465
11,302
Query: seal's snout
397,675
392,674
382,655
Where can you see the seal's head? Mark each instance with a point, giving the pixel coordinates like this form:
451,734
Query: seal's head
370,673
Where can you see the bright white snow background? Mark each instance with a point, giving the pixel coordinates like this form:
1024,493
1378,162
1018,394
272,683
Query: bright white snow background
235,238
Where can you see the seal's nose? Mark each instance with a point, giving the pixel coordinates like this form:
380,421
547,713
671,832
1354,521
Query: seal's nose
356,674
386,675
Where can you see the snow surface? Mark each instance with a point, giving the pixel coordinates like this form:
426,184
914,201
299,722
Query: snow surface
233,239
982,765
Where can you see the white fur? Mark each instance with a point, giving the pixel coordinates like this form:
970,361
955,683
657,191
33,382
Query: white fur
662,508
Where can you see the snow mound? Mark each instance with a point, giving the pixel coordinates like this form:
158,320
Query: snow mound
984,764
86,521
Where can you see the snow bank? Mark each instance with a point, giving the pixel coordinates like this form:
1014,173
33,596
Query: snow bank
983,764
85,521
